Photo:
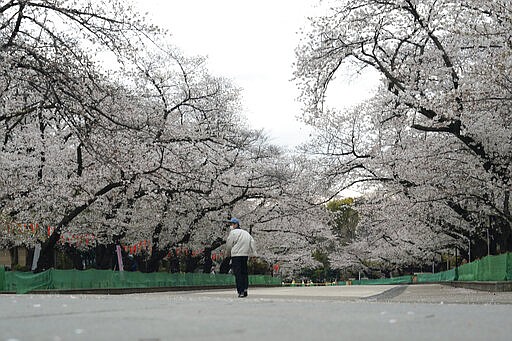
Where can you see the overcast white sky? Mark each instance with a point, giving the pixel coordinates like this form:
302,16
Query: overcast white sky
252,43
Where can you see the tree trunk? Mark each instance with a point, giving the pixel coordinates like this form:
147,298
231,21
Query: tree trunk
30,258
46,258
76,257
191,262
154,261
174,263
225,265
47,254
105,256
208,263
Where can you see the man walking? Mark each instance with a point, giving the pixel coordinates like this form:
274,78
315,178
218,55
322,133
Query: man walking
240,246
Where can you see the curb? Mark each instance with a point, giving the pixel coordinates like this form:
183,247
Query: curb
495,286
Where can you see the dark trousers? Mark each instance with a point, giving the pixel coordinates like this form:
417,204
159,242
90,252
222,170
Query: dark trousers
239,267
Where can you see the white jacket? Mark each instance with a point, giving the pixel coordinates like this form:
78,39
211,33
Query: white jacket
240,243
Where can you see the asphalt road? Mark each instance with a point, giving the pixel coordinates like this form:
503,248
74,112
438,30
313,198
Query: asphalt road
418,312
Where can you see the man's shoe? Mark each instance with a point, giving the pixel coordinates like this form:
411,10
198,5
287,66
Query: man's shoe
241,295
245,293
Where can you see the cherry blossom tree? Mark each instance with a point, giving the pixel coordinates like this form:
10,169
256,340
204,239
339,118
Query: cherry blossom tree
53,96
72,134
433,145
112,135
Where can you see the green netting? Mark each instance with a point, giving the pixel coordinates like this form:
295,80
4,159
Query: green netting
2,278
77,279
394,280
445,276
23,282
468,272
263,280
490,268
509,266
493,268
149,280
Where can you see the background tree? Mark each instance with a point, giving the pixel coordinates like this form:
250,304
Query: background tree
345,219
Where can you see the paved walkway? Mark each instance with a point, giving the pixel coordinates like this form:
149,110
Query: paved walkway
419,293
330,293
443,294
419,312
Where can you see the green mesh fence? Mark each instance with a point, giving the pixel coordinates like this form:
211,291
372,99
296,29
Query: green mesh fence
445,276
509,267
23,282
468,272
393,280
492,268
2,278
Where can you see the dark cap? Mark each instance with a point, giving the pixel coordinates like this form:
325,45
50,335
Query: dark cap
234,221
